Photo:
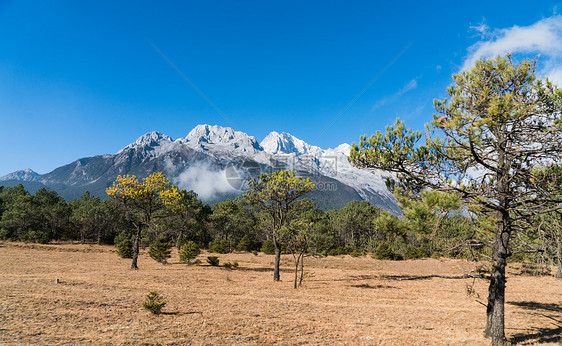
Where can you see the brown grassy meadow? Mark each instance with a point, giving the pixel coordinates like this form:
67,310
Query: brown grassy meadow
344,300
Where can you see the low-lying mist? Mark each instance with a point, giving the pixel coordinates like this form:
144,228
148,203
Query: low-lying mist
204,180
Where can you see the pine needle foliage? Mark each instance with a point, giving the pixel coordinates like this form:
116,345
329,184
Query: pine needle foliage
160,251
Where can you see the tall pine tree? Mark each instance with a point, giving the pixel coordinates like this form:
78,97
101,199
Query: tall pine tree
499,123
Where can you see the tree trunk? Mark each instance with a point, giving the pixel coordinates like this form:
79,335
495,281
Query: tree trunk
302,269
496,292
54,233
277,260
296,271
136,249
178,242
559,260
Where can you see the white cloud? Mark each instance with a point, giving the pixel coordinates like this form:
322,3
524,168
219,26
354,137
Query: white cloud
482,28
205,181
543,37
380,103
409,86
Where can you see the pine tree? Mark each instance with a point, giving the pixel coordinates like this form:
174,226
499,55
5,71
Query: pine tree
498,125
189,251
160,250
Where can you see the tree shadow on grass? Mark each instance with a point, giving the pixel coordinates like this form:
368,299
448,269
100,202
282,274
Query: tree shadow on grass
264,269
178,313
399,277
424,277
350,278
538,306
541,335
374,286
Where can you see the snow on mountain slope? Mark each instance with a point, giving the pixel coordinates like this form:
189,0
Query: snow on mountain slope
221,153
150,141
226,143
285,143
218,138
23,175
332,163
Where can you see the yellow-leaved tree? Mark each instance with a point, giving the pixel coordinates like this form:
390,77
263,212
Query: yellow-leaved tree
141,201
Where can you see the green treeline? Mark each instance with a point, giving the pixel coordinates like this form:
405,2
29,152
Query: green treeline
431,226
229,226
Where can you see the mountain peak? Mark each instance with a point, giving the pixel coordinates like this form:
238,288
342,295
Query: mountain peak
285,143
150,139
221,138
22,175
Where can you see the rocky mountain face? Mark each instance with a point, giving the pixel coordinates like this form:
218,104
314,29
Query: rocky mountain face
215,162
22,175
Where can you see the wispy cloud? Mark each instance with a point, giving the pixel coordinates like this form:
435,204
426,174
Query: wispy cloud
482,29
543,37
409,86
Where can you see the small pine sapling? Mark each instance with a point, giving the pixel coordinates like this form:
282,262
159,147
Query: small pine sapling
188,252
213,261
124,245
154,303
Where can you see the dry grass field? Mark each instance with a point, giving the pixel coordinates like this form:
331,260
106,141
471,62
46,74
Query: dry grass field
344,300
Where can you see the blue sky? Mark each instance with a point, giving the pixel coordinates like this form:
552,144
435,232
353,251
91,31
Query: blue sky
84,78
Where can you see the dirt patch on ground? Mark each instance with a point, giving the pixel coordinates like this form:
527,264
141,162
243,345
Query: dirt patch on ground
344,301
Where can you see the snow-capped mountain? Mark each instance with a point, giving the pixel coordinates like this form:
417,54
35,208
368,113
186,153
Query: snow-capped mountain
218,138
214,161
149,141
285,143
332,163
22,175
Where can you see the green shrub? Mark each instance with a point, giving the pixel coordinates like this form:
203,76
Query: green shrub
33,236
145,241
189,251
231,265
247,243
124,244
384,252
213,260
255,253
160,251
4,234
220,246
355,253
340,250
268,247
411,253
436,255
417,252
154,303
424,252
